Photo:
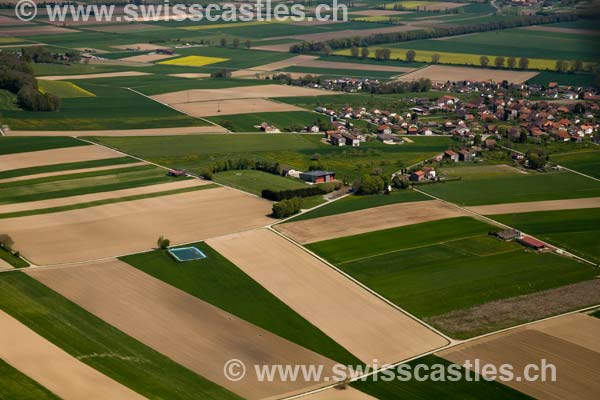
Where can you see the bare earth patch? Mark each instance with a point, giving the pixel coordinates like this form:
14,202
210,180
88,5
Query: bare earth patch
148,58
372,219
53,368
354,66
547,205
441,73
571,350
246,92
232,107
191,332
85,198
191,75
4,266
92,76
349,393
501,314
71,171
124,27
35,30
362,323
379,13
56,156
133,226
187,130
273,66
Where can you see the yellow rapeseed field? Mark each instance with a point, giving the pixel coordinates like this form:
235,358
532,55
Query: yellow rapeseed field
194,61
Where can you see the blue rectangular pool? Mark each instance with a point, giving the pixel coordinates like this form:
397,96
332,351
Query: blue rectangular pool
187,254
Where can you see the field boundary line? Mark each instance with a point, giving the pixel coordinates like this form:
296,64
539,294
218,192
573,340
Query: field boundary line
560,166
363,286
502,225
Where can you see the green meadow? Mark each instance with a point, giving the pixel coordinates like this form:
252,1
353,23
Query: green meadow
436,267
255,181
13,145
217,281
576,231
66,167
84,335
586,162
290,120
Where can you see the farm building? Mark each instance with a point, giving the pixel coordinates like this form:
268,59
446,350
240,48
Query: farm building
507,234
531,242
318,176
450,155
176,172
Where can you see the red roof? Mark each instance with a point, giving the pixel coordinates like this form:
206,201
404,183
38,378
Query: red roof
532,242
449,153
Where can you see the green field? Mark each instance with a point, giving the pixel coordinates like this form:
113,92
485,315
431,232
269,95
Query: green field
8,100
66,167
54,187
479,190
13,145
436,267
12,259
355,203
297,151
383,388
587,162
16,385
85,336
255,181
576,231
290,120
64,90
111,108
569,79
219,282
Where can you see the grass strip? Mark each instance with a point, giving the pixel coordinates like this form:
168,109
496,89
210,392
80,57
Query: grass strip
13,260
66,167
104,201
16,144
100,345
219,282
16,385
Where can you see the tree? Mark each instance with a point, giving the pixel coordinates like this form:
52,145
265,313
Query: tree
477,140
499,61
248,43
327,50
236,43
163,243
576,65
364,52
354,51
561,66
484,61
287,207
410,55
223,41
523,62
435,58
369,184
511,62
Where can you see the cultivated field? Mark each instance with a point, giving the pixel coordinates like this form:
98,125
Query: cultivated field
141,47
247,92
186,130
188,330
357,320
339,394
148,58
372,219
440,73
354,66
233,107
92,76
567,342
52,367
273,66
134,226
56,156
548,205
194,61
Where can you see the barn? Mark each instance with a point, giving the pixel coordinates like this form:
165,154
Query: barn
318,176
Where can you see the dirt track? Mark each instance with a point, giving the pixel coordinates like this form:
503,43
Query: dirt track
246,92
363,324
233,107
372,219
92,76
56,156
442,73
64,201
548,205
134,226
53,368
71,171
188,130
191,332
570,343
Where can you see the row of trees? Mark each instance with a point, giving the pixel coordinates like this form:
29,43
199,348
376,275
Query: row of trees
396,37
16,76
287,208
235,43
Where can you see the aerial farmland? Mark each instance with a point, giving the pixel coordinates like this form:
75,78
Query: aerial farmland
278,200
